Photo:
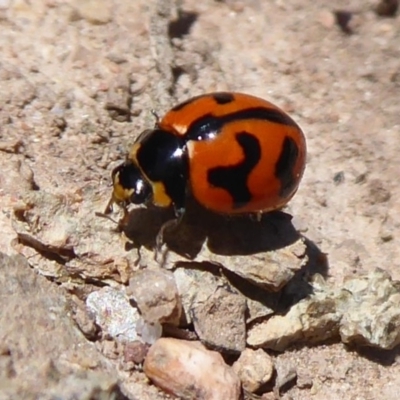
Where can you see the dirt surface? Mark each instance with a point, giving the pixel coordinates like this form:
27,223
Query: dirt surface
78,80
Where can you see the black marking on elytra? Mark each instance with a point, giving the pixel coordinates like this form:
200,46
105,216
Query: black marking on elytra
233,178
208,126
219,97
162,157
285,165
223,97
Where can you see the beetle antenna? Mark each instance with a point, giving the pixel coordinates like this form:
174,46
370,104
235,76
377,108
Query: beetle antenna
103,215
155,115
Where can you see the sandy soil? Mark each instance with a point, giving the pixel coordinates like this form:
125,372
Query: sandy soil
78,81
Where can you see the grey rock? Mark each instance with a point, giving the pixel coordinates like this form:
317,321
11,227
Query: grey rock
216,309
156,295
114,314
371,312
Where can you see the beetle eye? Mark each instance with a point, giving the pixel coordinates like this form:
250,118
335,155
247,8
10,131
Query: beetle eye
129,184
141,193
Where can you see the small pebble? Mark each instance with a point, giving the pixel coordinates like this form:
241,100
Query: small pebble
147,331
135,352
113,313
254,368
189,371
156,295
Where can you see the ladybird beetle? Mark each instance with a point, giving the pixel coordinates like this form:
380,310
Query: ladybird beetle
233,152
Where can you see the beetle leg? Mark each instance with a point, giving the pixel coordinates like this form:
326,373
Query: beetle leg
170,224
109,207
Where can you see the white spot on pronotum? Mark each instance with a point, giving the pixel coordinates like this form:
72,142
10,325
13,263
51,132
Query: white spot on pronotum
177,153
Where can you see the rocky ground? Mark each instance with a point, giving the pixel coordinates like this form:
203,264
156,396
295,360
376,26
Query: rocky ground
77,82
